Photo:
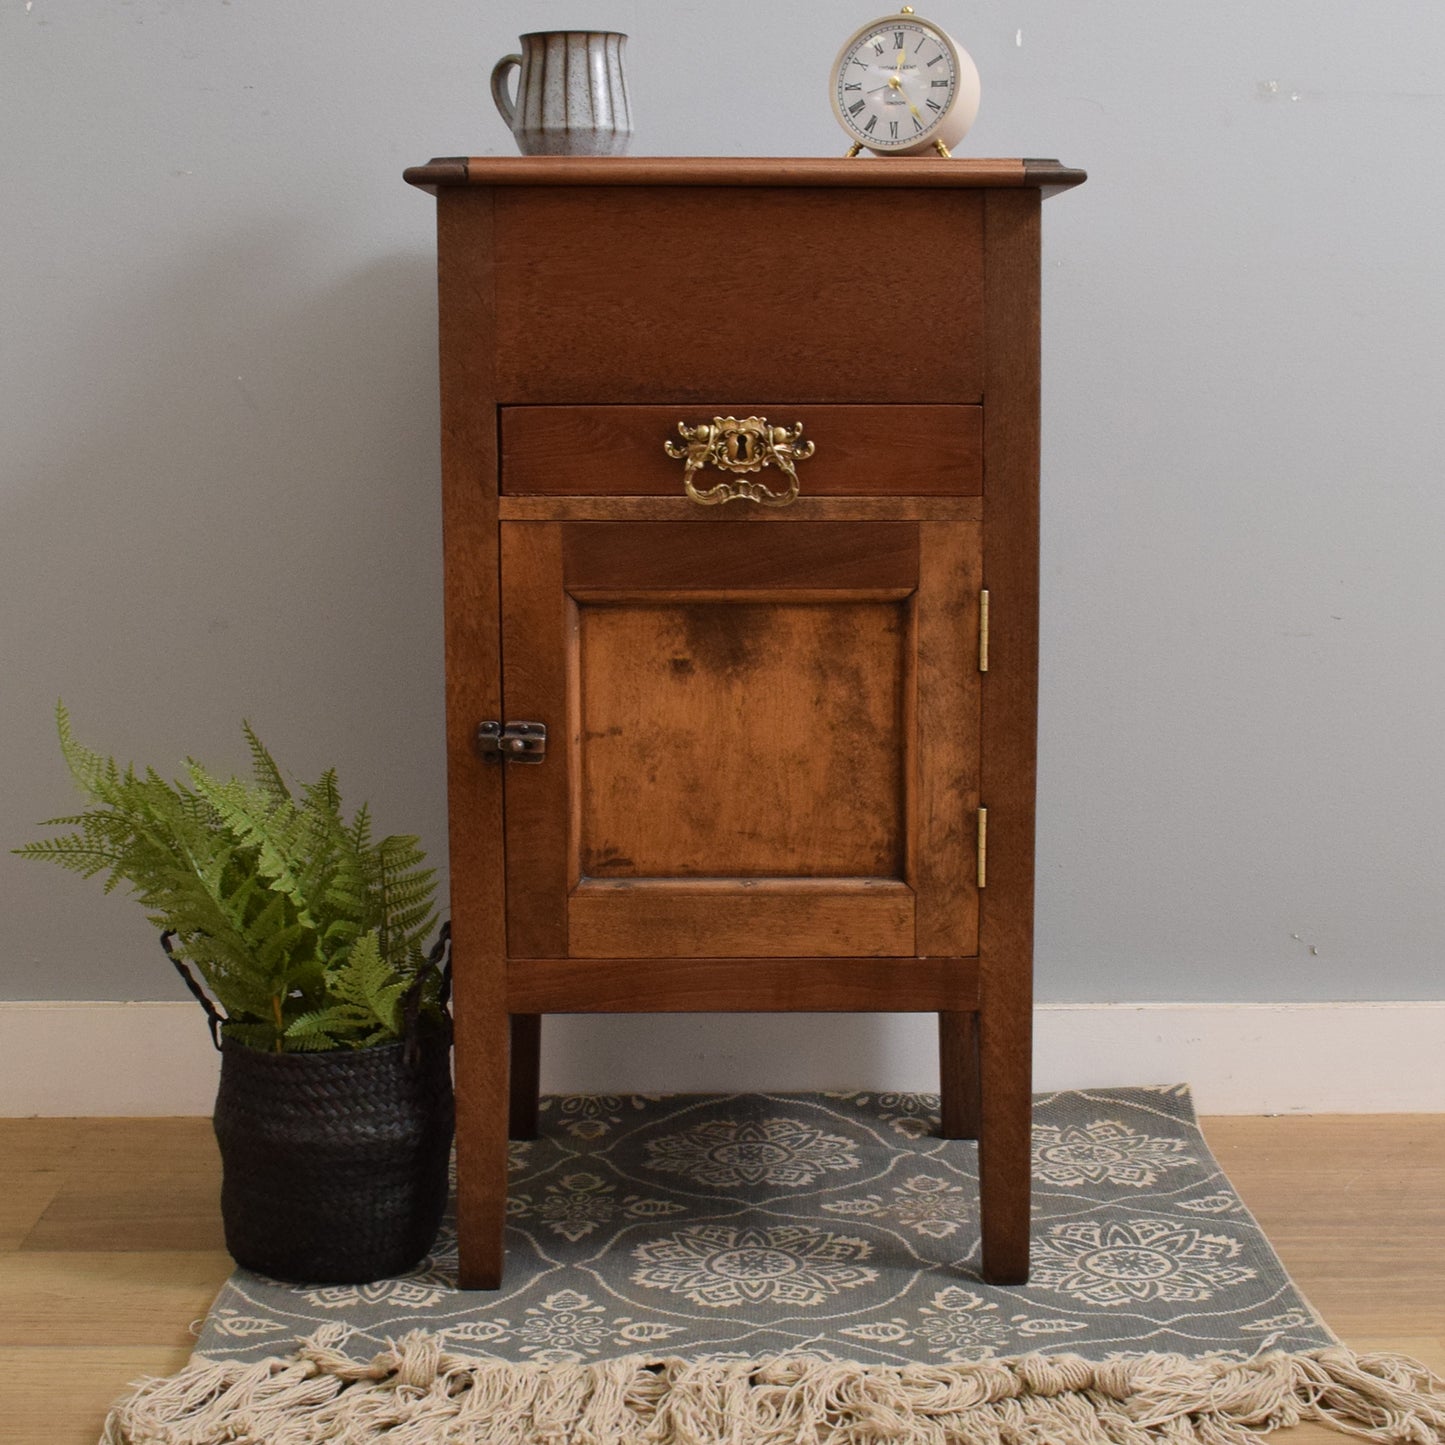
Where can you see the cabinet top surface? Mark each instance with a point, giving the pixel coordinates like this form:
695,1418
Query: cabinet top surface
1047,176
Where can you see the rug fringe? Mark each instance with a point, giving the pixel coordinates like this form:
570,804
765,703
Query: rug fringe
417,1391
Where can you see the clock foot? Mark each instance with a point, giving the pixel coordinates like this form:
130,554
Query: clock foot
943,150
853,150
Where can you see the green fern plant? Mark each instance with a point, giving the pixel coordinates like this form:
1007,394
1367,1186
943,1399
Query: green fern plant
309,932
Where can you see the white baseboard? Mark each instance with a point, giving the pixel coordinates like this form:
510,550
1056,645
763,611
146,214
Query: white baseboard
60,1059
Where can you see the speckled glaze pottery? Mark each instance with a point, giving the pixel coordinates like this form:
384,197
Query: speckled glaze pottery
571,94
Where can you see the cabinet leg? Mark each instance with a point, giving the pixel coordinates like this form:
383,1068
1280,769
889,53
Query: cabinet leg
526,1070
958,1074
481,1086
1004,1145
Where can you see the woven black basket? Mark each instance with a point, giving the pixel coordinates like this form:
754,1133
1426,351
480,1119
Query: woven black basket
334,1165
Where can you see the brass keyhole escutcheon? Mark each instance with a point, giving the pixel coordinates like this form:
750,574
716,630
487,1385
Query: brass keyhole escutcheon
739,445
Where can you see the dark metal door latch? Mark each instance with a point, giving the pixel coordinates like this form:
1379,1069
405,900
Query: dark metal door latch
518,742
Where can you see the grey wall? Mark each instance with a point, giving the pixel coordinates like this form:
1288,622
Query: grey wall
218,465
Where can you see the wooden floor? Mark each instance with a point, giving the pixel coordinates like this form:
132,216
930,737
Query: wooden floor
110,1246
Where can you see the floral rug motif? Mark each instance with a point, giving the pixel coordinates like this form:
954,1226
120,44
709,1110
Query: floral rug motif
749,1225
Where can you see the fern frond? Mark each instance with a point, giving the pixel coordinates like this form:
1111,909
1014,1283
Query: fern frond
74,853
308,932
365,971
402,884
270,830
255,1034
360,831
268,777
324,795
89,769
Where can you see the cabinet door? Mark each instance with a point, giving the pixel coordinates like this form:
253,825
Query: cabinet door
763,738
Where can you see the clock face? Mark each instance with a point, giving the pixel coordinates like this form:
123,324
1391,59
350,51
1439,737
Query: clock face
894,82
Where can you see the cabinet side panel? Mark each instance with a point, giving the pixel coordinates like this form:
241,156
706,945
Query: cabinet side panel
473,692
1010,713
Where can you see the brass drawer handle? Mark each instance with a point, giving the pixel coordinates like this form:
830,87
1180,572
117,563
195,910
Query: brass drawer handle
748,445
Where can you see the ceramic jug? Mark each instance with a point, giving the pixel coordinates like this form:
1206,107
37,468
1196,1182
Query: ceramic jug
571,94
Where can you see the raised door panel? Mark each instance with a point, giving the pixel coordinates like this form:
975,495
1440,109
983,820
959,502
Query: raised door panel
754,728
763,741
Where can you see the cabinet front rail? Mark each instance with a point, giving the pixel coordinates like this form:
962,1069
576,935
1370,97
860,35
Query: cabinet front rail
742,985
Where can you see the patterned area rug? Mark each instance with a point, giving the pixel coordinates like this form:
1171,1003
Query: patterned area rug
748,1225
772,1269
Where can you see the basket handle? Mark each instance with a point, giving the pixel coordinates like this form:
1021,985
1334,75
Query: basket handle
441,958
214,1017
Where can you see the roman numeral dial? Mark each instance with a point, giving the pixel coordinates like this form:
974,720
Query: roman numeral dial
902,86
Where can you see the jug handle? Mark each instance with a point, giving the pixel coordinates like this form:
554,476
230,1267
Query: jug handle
499,86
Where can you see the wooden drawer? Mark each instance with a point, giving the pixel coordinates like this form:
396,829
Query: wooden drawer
617,451
650,294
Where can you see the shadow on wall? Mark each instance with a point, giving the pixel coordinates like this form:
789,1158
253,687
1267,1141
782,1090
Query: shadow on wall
726,1053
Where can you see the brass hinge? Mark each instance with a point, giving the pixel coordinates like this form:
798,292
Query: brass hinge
983,847
983,631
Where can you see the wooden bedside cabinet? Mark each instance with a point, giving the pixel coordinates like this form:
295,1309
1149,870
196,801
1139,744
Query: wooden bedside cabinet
774,752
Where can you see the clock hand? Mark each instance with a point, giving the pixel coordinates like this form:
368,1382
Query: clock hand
896,83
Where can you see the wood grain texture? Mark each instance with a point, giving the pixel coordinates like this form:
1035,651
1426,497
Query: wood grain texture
45,1295
681,509
35,1155
847,556
860,450
701,918
631,289
958,1075
126,1209
863,173
538,634
744,730
1365,1242
473,693
626,295
22,1207
742,739
945,760
1010,726
58,1394
32,1148
1355,1206
743,985
56,1206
